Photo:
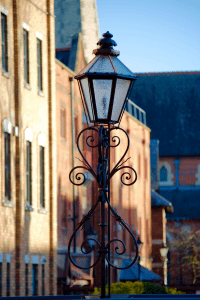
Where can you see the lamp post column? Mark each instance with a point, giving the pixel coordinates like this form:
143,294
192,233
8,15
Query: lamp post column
105,84
102,171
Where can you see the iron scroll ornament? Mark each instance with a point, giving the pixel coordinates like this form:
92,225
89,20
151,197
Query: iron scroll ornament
103,177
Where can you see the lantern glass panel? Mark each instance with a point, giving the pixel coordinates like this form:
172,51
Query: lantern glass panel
87,67
121,90
102,65
86,92
102,91
120,67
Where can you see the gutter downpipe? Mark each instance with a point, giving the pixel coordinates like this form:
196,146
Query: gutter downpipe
72,125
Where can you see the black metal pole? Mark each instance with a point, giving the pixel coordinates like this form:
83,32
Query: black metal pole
103,161
103,266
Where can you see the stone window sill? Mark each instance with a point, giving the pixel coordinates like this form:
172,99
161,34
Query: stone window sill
27,86
40,93
42,210
29,207
166,183
5,74
7,203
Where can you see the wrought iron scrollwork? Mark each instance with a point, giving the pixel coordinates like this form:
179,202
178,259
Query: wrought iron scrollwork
101,138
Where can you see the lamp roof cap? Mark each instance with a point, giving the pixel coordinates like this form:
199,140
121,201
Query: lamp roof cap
106,45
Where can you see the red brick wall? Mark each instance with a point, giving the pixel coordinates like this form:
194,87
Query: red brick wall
188,169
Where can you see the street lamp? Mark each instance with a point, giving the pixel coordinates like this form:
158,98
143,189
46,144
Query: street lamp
105,84
140,244
163,252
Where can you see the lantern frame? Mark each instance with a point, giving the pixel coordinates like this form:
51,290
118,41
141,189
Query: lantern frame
105,51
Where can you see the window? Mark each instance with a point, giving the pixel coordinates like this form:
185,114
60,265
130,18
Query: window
63,123
39,64
4,42
26,279
7,167
43,279
26,55
163,174
42,185
8,280
1,279
35,280
28,173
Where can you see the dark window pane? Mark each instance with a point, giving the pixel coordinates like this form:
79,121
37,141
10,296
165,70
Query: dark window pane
26,279
42,177
28,173
4,42
35,280
1,279
7,166
8,280
39,64
163,174
43,280
26,56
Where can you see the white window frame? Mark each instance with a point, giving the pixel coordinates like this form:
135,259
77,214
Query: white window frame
170,176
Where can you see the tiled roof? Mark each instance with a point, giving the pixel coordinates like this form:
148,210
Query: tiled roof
158,200
186,203
172,104
132,272
68,55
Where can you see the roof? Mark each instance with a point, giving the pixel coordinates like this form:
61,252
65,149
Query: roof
63,55
158,200
132,272
172,105
68,55
186,203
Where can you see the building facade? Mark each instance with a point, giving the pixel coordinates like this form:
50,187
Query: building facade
171,101
28,211
74,17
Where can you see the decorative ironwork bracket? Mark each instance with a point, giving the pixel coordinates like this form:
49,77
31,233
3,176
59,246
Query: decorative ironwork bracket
103,175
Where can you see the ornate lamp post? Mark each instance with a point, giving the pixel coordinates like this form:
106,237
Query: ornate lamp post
105,84
140,244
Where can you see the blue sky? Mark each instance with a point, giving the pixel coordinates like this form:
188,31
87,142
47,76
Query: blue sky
154,35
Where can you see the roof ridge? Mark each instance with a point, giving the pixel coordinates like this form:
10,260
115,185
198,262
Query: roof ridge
64,49
168,73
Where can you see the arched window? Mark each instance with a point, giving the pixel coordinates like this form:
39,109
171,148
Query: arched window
163,174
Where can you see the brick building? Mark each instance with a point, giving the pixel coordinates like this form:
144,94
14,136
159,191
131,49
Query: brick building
28,213
171,101
74,17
